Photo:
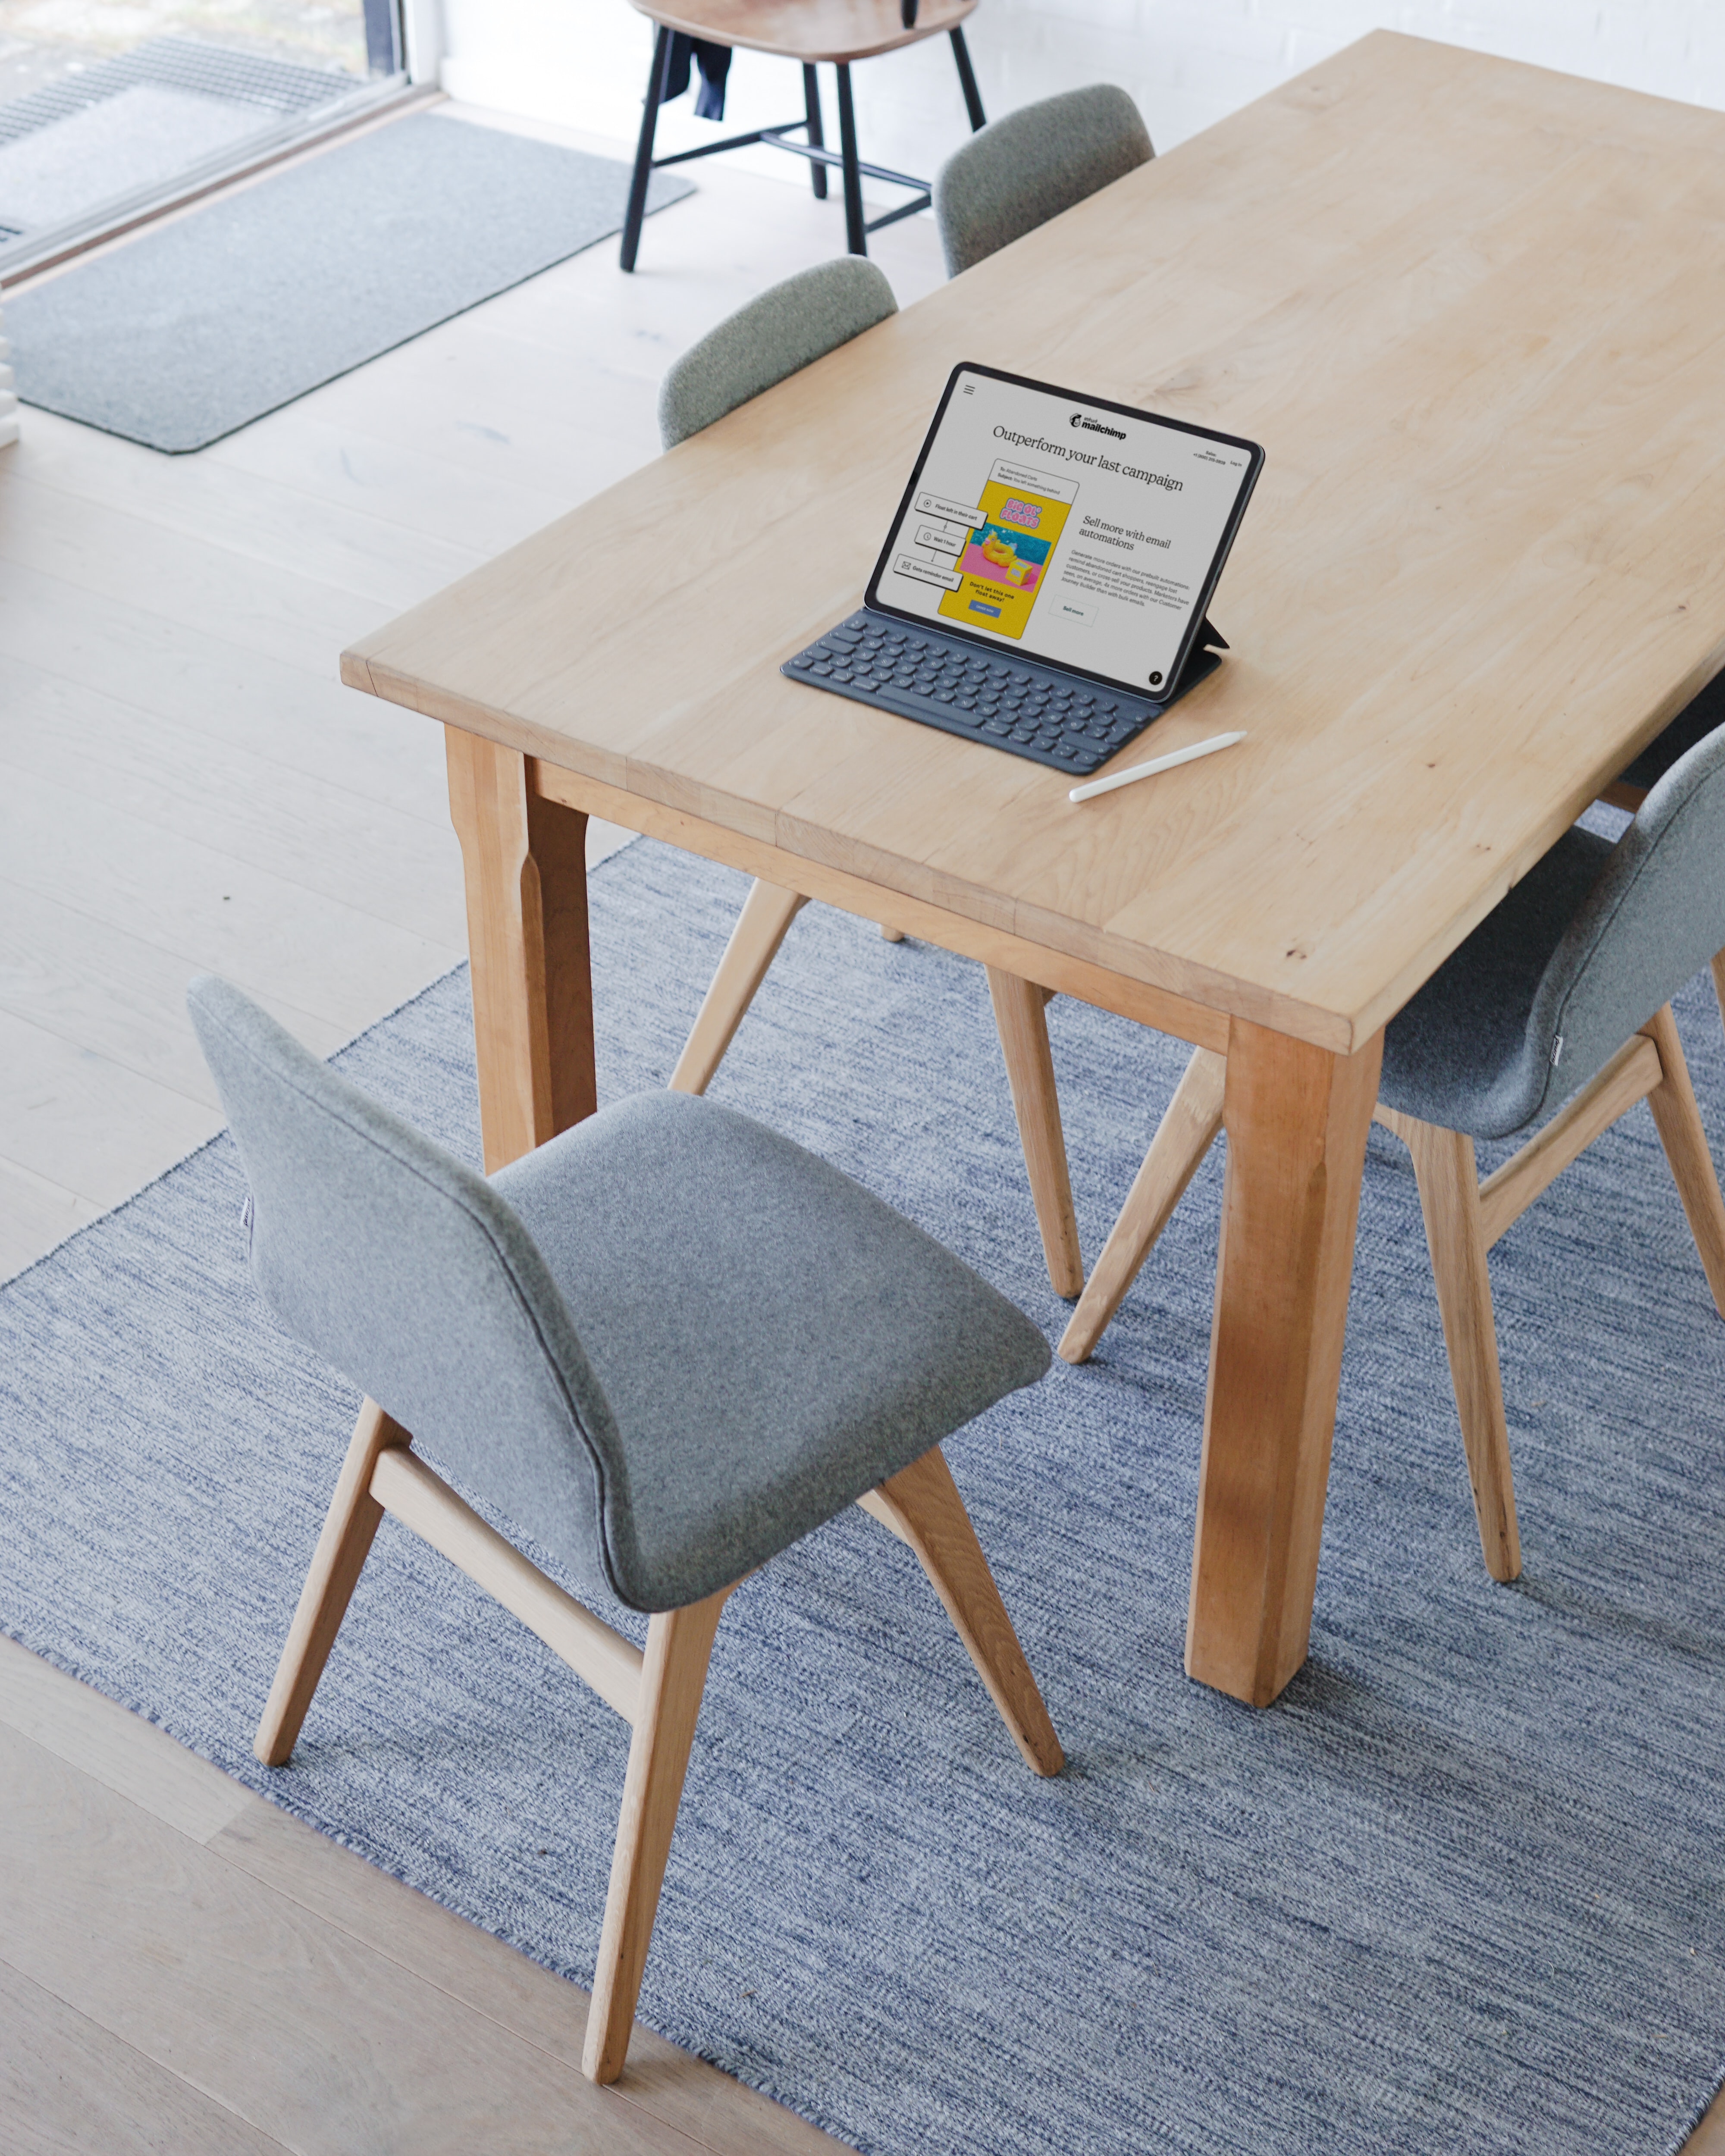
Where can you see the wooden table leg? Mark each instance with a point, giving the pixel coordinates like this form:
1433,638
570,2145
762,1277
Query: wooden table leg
525,862
1296,1119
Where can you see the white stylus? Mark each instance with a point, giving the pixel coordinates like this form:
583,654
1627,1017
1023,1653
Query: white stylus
1155,763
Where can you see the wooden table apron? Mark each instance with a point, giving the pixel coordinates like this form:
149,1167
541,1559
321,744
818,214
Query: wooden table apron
1470,310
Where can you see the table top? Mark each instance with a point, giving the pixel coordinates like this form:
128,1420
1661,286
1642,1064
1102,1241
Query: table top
1473,311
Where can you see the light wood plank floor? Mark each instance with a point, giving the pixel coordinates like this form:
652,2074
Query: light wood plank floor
185,785
184,1967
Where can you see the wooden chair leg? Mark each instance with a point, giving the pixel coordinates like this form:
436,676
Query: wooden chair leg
1449,1199
1185,1134
921,1505
1677,1119
336,1565
768,913
673,1677
1020,1014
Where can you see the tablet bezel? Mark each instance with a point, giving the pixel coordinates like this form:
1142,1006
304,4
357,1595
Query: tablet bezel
1002,646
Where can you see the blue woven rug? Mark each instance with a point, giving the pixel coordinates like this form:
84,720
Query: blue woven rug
1462,1890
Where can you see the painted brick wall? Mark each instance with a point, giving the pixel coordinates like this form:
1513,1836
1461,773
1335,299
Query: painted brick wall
1187,62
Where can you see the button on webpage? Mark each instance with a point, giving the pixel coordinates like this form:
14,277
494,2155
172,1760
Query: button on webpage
1081,613
926,572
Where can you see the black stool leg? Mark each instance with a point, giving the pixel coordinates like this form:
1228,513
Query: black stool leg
644,154
856,240
811,105
967,83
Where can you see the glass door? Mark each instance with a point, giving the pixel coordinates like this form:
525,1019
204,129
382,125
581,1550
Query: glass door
110,107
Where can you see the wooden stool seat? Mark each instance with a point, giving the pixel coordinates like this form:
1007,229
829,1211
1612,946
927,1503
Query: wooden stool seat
809,30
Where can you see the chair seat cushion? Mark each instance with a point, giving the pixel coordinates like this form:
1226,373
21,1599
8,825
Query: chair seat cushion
772,1339
1460,1053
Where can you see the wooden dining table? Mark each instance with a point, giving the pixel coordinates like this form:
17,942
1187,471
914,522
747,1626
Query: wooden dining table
1475,312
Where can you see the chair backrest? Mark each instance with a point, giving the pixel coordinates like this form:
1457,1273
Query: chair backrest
1654,918
788,327
409,1274
1020,171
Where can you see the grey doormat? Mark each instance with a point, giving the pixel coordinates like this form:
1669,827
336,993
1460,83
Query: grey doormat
1461,1892
205,324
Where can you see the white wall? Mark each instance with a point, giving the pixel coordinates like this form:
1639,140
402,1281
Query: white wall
1187,62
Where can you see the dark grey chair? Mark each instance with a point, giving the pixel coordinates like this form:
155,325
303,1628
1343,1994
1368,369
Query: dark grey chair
784,331
667,1345
1020,171
1553,1018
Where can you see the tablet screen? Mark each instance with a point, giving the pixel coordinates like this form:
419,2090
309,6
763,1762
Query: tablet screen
1071,530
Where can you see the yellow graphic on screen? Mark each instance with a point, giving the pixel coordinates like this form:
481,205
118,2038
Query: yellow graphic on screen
1003,561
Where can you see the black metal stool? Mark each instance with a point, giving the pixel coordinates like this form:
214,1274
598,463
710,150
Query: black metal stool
808,31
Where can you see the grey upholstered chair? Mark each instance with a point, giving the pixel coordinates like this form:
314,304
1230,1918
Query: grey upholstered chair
786,329
1559,1001
666,1345
1020,171
1698,718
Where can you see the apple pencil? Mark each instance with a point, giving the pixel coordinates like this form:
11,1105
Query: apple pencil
1155,763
